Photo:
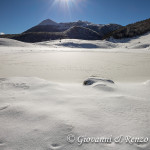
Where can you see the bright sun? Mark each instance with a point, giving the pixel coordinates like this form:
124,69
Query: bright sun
66,5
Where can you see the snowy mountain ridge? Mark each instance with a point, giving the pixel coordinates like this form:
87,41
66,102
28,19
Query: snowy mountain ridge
48,22
51,22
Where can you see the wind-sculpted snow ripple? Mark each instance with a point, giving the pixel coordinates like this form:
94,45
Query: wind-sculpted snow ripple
43,116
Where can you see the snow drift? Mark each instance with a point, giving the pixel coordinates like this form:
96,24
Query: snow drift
39,114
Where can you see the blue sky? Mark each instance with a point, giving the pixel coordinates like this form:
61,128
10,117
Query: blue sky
17,16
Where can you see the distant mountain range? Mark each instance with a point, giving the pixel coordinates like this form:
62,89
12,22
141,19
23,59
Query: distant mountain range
50,30
51,26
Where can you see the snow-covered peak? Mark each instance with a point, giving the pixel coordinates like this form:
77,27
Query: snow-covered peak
48,22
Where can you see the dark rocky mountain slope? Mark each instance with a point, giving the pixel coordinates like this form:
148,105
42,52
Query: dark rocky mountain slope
131,30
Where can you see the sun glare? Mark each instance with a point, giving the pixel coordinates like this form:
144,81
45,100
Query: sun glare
66,6
69,2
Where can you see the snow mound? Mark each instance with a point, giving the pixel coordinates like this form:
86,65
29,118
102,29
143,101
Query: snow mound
104,87
4,42
43,115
